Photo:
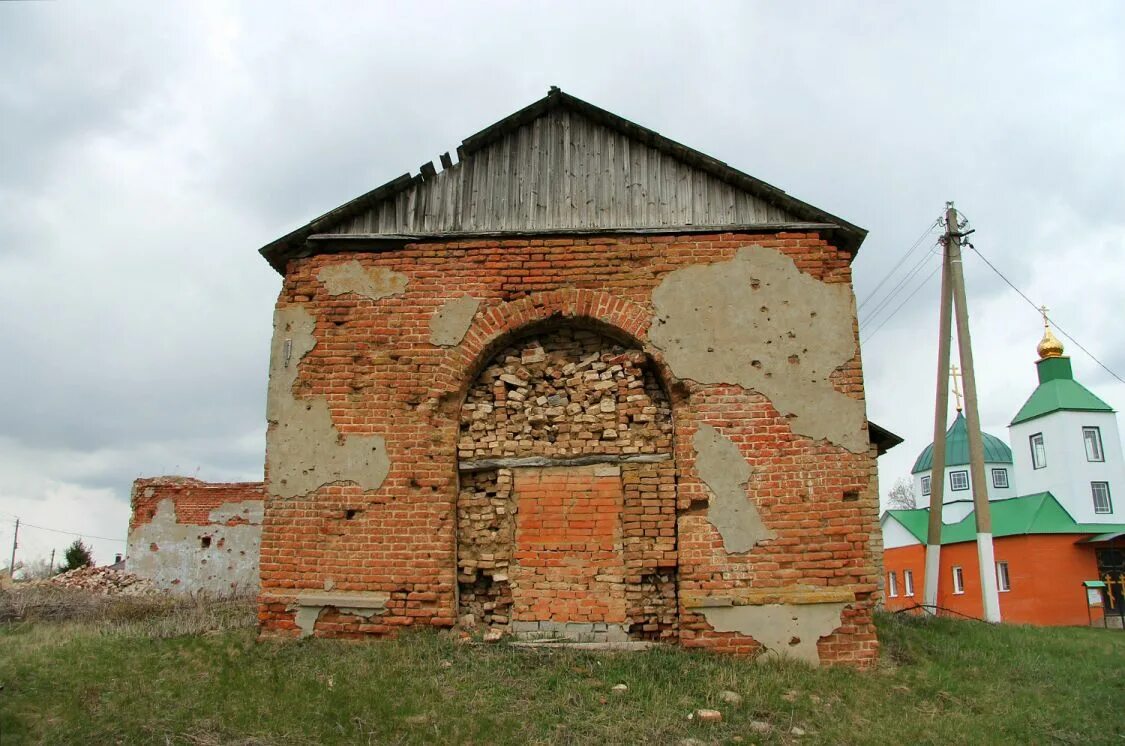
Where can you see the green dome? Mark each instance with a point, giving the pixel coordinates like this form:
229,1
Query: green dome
996,451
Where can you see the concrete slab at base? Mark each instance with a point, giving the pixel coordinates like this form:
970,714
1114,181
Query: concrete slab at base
580,632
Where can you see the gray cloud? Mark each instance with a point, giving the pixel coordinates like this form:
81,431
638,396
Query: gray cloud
148,151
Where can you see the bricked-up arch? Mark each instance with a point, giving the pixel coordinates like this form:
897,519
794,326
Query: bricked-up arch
566,514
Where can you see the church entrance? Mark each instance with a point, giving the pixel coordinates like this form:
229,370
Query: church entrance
566,514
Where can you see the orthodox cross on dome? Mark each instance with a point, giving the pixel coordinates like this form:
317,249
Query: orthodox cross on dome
1049,346
955,374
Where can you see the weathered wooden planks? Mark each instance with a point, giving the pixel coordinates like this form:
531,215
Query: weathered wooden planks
562,171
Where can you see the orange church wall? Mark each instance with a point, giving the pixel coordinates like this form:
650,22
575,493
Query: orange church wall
898,560
1045,572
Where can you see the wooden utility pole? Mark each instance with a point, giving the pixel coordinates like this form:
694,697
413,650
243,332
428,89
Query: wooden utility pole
15,543
941,412
51,567
985,556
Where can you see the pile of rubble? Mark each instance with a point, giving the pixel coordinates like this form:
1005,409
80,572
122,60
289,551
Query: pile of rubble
486,535
569,393
102,580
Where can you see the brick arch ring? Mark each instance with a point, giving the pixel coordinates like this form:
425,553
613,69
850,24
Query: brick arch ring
496,326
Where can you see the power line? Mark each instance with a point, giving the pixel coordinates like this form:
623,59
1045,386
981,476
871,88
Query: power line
901,261
898,288
900,305
1037,308
70,533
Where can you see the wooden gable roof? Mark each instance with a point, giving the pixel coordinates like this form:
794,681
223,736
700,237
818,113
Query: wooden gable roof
561,166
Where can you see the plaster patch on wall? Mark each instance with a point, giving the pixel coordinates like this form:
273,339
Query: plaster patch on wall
216,558
250,511
309,606
759,322
784,630
725,472
353,277
293,338
305,449
307,452
305,619
451,322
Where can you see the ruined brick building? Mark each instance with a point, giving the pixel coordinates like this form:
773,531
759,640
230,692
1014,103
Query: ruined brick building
584,381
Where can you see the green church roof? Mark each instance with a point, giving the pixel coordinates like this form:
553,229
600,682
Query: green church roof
1031,514
1058,391
996,451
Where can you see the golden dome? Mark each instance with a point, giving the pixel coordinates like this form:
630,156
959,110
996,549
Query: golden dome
1049,346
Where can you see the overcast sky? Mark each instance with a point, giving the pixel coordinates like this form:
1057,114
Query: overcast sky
147,150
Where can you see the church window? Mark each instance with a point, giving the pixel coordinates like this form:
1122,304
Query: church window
1003,582
892,585
925,485
959,480
908,582
1038,451
1093,438
958,579
1000,478
1102,501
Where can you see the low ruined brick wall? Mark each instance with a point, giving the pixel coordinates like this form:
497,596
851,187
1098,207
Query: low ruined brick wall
768,489
189,536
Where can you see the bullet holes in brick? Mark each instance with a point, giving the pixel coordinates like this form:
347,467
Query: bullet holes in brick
851,496
350,513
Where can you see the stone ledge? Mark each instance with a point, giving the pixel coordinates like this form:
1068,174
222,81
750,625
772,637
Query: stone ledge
765,596
343,599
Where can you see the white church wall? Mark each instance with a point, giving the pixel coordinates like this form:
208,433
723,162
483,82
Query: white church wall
1068,474
951,495
895,535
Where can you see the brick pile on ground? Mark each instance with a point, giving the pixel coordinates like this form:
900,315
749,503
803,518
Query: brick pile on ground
102,580
570,393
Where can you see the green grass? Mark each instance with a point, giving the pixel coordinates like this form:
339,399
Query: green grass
940,681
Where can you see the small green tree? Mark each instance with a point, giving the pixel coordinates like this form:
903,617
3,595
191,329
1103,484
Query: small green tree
77,555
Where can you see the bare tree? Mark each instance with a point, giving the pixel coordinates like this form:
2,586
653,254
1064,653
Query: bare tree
901,495
37,569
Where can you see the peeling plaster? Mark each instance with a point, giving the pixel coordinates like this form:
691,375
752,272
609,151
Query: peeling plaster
250,511
759,322
784,630
305,450
360,604
352,277
725,472
305,619
451,322
172,554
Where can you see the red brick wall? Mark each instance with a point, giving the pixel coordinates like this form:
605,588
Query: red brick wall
376,368
568,561
188,536
194,500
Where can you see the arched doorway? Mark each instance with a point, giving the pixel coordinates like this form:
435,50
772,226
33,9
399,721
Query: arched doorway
566,512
